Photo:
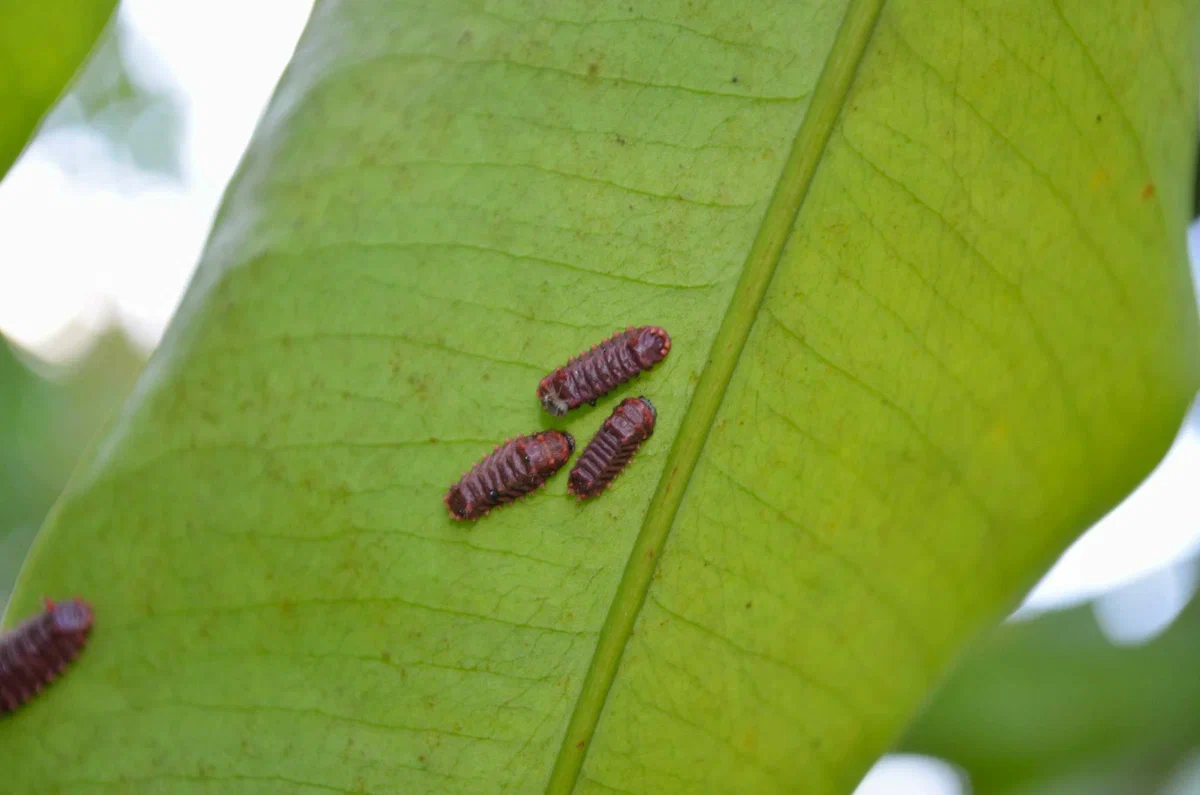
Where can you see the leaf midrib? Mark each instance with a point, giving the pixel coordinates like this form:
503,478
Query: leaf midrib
847,51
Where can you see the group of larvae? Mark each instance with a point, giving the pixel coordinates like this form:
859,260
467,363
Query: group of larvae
38,651
524,464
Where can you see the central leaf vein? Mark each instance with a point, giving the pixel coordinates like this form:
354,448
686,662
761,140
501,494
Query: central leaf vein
761,262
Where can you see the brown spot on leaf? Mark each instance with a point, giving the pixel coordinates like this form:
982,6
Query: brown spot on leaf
1148,191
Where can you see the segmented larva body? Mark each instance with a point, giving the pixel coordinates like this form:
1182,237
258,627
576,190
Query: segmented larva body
630,424
509,472
603,368
36,652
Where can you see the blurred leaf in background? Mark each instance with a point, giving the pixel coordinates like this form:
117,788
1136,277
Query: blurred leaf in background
42,43
48,415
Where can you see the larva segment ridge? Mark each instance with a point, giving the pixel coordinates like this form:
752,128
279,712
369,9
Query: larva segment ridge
513,469
609,451
599,370
37,652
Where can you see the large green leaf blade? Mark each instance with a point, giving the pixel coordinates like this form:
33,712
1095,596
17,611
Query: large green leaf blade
42,44
930,318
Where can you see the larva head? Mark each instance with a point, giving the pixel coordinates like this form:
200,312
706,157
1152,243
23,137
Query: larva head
550,393
648,407
459,503
546,452
70,618
650,346
632,420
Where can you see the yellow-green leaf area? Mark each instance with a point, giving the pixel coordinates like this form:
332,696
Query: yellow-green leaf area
924,272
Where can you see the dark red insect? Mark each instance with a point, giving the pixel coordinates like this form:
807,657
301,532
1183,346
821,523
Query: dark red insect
630,424
36,652
603,368
509,472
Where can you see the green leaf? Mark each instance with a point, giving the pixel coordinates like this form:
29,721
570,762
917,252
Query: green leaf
924,269
42,43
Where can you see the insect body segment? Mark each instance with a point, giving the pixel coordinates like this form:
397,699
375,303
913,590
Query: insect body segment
630,424
509,472
603,368
35,653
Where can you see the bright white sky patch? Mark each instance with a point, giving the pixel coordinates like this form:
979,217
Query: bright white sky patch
1142,610
910,774
1157,524
75,248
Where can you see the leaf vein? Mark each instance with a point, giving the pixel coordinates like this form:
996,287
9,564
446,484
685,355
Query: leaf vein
811,139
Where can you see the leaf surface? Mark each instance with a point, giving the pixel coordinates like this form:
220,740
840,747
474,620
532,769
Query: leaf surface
924,269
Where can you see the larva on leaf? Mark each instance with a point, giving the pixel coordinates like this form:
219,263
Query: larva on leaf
35,653
606,366
609,451
512,470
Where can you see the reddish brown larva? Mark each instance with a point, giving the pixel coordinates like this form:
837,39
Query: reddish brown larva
509,472
36,652
603,368
630,424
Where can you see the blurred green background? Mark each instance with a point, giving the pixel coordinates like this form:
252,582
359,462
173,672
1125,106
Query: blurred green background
48,414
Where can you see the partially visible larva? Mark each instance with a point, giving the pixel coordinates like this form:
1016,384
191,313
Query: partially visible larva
630,424
603,368
509,472
36,652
